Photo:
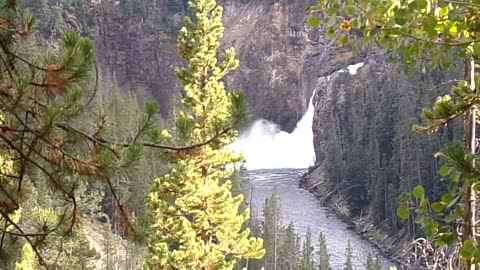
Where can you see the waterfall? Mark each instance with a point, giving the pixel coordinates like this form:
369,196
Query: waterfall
266,146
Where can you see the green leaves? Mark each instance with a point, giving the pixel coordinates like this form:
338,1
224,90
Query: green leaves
418,192
343,40
400,16
429,24
470,250
425,34
194,199
437,207
403,212
419,4
313,22
437,26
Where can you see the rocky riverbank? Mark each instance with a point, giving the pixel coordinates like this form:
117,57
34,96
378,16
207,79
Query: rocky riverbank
389,246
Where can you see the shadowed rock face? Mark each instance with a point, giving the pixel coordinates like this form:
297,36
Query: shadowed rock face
281,58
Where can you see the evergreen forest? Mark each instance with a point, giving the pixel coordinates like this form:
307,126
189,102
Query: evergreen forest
166,134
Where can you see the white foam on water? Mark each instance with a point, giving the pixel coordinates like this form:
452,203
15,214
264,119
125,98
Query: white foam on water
265,146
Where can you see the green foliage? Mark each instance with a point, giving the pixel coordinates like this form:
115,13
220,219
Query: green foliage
348,255
195,220
271,230
439,31
289,249
59,148
435,218
439,34
27,260
306,260
322,252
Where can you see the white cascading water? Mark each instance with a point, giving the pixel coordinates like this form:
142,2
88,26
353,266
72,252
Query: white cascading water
265,146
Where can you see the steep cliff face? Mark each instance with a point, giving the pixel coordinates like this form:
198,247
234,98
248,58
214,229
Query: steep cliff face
137,48
367,154
280,56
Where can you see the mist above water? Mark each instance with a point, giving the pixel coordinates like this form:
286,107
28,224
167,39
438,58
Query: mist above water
266,146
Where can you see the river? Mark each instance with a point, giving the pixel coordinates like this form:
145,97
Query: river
275,158
304,210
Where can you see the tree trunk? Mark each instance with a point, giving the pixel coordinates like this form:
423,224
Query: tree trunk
469,195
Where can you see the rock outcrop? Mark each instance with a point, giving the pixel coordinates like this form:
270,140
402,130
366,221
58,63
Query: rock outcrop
366,152
364,148
280,56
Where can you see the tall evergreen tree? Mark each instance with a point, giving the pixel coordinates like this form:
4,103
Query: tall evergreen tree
373,264
306,260
348,256
324,258
271,230
289,250
195,220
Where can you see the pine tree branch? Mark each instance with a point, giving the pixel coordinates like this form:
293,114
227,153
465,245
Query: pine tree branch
40,258
7,51
36,164
3,234
459,3
120,206
9,197
103,141
95,88
443,121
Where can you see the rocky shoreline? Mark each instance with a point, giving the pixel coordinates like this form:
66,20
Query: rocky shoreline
323,195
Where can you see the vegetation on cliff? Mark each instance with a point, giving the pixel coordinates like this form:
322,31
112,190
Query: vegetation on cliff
430,34
195,219
72,150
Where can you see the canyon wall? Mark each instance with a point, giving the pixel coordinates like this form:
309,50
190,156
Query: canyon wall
366,153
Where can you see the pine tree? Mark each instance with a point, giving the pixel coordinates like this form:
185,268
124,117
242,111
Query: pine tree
195,220
348,256
370,262
430,34
110,258
324,263
271,230
54,138
289,250
306,261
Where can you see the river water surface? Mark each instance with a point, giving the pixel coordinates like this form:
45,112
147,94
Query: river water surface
277,159
304,210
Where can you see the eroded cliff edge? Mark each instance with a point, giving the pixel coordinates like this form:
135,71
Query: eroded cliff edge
280,56
366,151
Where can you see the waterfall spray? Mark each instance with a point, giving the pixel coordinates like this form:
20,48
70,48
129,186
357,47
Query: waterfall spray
266,146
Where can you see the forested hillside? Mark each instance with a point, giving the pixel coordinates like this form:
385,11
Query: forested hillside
367,154
116,120
79,158
135,41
